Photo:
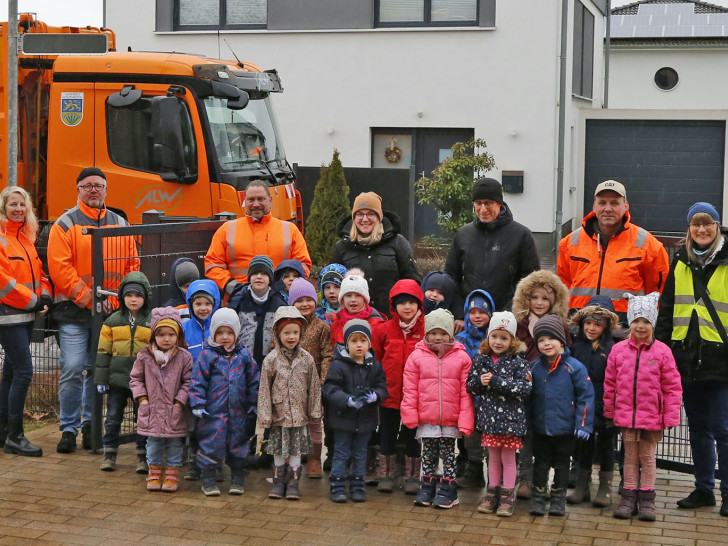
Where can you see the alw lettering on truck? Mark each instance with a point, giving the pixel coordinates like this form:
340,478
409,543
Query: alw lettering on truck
159,197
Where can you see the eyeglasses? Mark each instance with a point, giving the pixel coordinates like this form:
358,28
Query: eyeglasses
93,187
706,226
366,214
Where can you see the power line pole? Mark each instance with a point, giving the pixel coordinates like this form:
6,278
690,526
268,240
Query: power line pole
12,136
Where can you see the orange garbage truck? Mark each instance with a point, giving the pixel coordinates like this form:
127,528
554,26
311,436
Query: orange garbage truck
178,133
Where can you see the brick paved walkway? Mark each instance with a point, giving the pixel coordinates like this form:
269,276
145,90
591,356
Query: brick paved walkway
66,499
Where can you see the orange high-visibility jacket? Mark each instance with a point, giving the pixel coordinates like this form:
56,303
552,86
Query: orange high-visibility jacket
237,241
22,281
69,254
633,261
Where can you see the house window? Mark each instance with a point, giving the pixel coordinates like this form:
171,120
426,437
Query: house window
402,13
583,69
666,78
220,14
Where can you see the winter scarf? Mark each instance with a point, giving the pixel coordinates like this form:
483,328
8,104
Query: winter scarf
407,327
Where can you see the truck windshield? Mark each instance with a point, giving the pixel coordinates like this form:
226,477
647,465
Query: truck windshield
244,139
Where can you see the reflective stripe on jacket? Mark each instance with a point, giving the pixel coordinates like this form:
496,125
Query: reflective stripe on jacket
237,241
69,254
633,261
685,303
22,281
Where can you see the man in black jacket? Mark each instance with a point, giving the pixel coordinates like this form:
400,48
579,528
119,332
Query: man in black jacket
493,252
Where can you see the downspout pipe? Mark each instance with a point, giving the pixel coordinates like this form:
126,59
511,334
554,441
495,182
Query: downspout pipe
562,124
12,125
607,46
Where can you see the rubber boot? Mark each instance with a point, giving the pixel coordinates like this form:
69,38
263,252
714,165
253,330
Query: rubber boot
447,495
473,476
371,472
581,492
647,510
209,484
109,462
17,444
557,507
338,490
507,503
237,481
171,479
278,491
604,493
538,501
3,430
428,484
489,504
293,476
356,489
385,473
412,475
313,467
627,507
154,478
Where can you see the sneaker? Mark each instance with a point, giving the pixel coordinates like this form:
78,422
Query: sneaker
86,436
696,499
67,443
209,487
142,467
109,462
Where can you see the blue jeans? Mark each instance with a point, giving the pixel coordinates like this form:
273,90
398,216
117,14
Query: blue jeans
706,407
17,369
116,402
75,389
350,445
158,447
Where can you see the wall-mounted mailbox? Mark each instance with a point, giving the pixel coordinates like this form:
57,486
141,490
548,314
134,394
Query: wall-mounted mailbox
513,181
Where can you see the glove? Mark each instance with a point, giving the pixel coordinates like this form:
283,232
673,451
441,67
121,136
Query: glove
609,423
102,388
199,412
581,434
371,398
355,403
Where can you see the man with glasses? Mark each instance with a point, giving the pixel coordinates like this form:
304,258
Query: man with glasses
609,255
237,241
69,265
493,252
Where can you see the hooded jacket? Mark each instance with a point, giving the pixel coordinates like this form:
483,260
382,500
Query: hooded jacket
390,344
120,341
562,399
162,386
522,307
697,360
446,285
177,298
316,339
642,386
595,361
290,389
633,261
323,309
22,282
197,330
492,256
434,390
471,337
347,378
383,264
256,320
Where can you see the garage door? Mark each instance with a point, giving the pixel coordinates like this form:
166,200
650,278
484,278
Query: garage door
665,165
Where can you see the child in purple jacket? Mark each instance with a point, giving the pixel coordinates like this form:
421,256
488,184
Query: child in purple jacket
159,382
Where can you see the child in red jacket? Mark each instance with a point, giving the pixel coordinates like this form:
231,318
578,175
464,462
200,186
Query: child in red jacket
393,341
642,394
354,300
436,402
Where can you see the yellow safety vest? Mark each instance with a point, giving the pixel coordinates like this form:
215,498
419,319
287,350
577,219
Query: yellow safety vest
685,303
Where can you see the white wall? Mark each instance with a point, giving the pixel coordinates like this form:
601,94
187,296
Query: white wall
502,82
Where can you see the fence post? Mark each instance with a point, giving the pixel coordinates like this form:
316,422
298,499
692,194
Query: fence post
97,320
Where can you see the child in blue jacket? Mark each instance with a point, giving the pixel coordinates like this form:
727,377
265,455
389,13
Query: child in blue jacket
329,284
562,407
224,397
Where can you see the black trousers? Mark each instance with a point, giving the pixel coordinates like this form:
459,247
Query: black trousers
598,448
552,452
390,431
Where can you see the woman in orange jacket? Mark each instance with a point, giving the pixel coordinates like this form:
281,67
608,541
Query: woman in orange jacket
24,294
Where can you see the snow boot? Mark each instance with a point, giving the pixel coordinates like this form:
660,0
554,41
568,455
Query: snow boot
557,507
412,467
507,502
489,504
604,493
337,491
647,510
581,492
428,484
627,507
447,494
356,489
280,476
171,479
385,473
313,467
538,501
293,476
154,478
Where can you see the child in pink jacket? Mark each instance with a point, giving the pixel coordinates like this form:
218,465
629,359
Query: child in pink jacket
642,393
436,403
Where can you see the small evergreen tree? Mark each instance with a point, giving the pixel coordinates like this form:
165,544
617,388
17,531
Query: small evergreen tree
449,190
330,204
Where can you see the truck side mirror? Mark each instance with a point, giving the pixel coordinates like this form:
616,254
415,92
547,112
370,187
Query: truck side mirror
237,98
168,144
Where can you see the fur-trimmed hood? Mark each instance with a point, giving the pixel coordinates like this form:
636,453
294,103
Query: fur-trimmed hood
542,277
610,318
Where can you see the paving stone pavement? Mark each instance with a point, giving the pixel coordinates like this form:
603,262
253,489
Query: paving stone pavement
66,499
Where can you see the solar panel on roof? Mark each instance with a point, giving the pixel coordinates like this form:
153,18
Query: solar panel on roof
707,30
649,31
622,32
694,19
683,7
637,20
718,19
678,31
652,9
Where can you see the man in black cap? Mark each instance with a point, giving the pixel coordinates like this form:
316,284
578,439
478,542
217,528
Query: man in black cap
493,252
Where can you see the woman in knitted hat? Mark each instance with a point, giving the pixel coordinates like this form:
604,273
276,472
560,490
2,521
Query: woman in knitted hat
698,281
371,241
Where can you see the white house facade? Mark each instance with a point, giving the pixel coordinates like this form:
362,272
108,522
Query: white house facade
427,72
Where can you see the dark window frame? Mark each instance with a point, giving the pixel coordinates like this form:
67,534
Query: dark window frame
582,83
221,26
427,8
